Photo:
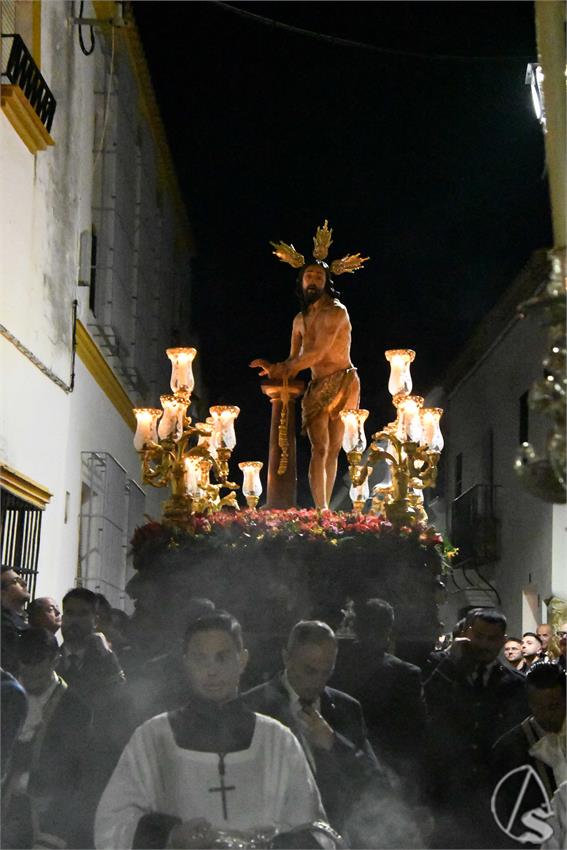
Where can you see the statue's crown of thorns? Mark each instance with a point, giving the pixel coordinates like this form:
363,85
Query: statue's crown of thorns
322,241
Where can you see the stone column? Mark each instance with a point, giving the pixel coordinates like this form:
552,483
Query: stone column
282,489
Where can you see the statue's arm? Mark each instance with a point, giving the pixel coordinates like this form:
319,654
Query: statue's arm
296,339
276,371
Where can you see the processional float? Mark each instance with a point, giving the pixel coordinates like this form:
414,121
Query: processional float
193,459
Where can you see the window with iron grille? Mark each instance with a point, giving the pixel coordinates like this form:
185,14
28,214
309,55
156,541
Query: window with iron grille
20,536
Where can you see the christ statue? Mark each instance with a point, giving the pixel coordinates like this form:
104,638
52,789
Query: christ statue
320,341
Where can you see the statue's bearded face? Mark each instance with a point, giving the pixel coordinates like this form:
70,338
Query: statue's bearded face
313,283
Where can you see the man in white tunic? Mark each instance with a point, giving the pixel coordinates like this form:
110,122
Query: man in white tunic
212,767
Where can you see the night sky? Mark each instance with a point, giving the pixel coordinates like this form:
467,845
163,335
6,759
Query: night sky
431,164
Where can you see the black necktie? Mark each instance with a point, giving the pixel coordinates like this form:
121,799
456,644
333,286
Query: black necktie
479,677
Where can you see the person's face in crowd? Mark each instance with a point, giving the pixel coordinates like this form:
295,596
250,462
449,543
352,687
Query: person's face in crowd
14,590
530,646
313,283
562,635
545,632
486,640
548,707
309,667
214,665
79,620
46,615
512,650
36,678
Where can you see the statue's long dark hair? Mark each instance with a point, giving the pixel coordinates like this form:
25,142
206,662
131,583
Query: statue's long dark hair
329,286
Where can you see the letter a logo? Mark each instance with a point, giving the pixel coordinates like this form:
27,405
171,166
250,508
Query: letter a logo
520,806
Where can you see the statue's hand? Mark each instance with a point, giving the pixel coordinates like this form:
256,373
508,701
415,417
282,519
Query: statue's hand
277,371
264,366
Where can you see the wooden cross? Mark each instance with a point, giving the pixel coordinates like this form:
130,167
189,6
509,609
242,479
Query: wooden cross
222,789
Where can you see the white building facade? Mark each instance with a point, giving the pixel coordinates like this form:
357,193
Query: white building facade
513,545
95,250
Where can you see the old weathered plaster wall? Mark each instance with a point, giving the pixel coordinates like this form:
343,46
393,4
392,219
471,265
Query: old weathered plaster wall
50,423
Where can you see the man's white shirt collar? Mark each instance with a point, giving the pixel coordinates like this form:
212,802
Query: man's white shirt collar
294,699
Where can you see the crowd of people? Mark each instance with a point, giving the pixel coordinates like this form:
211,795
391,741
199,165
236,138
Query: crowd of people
346,745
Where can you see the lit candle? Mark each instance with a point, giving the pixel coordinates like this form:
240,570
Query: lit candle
171,424
182,379
192,475
408,416
400,377
432,436
224,416
251,485
146,426
354,438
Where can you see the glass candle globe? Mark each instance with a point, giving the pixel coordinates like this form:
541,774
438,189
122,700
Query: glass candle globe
251,485
385,482
192,476
360,492
431,431
400,377
171,424
182,380
146,426
223,418
354,438
408,417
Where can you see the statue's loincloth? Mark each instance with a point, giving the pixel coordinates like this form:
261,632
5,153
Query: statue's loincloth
329,395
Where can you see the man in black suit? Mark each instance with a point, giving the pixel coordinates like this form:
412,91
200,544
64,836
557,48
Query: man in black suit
93,672
328,723
87,663
545,685
47,799
472,700
388,689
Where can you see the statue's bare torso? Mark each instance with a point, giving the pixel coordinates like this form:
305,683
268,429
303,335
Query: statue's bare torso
321,338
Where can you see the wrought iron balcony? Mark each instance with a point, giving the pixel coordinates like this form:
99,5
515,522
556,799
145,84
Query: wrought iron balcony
27,101
475,528
22,71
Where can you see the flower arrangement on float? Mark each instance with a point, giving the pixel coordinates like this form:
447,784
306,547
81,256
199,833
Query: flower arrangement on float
251,530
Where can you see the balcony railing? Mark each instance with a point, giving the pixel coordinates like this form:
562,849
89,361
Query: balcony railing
22,71
475,528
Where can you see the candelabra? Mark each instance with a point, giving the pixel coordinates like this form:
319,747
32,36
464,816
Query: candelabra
410,446
179,454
